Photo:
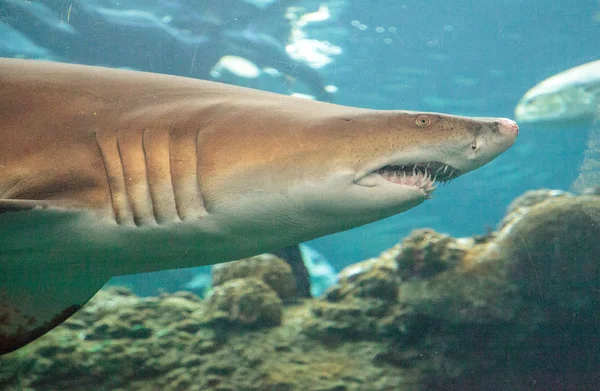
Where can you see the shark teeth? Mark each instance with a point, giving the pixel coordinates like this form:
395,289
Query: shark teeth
422,175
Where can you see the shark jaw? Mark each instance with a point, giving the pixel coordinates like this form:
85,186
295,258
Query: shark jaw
424,176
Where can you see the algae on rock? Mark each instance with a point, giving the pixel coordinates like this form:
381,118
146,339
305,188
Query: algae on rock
268,268
243,302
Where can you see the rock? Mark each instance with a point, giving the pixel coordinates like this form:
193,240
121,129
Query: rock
363,295
270,269
374,278
334,387
532,197
591,191
521,205
553,254
245,302
351,318
426,253
116,329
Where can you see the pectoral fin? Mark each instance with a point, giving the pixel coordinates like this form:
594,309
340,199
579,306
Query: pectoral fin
47,272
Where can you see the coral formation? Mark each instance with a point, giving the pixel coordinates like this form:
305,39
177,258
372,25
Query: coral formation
426,253
270,269
243,302
516,309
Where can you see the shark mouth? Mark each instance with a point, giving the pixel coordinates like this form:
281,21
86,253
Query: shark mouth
425,176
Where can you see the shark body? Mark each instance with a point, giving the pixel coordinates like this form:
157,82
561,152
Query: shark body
107,172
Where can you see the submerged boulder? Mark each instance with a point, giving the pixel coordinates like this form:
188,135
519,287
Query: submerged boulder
247,302
374,278
552,253
426,253
268,268
521,205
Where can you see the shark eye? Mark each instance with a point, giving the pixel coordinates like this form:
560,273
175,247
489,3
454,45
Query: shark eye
423,121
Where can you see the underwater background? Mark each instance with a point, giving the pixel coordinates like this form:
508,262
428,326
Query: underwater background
473,58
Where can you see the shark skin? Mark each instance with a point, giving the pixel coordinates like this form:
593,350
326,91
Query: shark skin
107,172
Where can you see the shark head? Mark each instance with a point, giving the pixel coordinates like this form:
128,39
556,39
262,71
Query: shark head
348,169
428,149
397,159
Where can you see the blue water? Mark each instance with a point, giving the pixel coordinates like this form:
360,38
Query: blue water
473,58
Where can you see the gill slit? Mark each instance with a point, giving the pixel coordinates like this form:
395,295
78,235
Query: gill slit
200,193
171,176
119,218
128,195
152,200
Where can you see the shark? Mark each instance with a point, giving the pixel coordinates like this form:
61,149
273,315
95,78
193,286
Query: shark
569,98
107,172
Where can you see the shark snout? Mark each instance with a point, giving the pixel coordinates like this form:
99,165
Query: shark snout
508,127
